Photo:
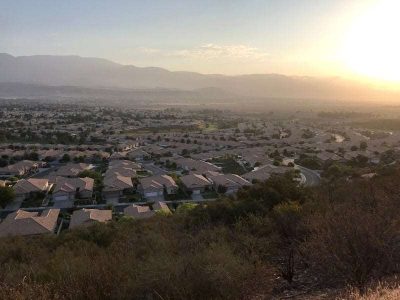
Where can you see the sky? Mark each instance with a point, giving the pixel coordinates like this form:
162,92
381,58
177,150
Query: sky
292,37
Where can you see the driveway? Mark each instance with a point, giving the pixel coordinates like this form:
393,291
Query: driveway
153,199
197,197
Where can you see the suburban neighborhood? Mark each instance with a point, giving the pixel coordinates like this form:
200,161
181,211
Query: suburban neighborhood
68,165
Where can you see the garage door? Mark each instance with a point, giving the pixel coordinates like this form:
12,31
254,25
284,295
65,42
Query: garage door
196,192
151,194
61,198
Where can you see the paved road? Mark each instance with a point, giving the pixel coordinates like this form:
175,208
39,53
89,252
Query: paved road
312,177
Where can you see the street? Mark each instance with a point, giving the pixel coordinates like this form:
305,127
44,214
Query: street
312,177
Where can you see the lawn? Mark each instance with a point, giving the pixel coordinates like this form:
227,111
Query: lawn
210,195
143,173
209,127
133,198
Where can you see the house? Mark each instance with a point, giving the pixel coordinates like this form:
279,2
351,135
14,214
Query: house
115,186
125,146
87,217
154,186
264,172
198,166
23,222
195,183
161,206
50,155
19,169
138,154
328,156
25,188
138,212
121,171
124,164
118,155
227,183
68,189
72,170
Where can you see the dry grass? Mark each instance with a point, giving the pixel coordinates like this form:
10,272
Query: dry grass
389,290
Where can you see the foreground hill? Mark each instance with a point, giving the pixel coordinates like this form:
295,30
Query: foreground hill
95,72
275,240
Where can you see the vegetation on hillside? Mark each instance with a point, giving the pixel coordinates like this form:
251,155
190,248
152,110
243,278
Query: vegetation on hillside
272,238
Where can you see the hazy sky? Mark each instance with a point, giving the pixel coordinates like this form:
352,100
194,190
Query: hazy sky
210,36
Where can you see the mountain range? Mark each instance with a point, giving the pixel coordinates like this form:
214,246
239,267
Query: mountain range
95,73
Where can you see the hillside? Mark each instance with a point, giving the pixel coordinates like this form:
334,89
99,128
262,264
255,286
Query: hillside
274,240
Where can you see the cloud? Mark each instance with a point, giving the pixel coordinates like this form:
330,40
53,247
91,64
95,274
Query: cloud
213,51
146,50
209,52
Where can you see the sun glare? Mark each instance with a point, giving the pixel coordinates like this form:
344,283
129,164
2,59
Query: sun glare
372,44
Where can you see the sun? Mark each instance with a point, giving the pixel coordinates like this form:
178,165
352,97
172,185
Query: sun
372,43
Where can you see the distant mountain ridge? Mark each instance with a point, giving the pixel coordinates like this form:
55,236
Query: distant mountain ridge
101,73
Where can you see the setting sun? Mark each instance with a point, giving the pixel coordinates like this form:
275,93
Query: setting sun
372,44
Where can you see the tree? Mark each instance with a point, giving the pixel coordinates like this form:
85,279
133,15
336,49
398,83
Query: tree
3,162
336,171
185,152
363,145
33,156
48,159
7,195
276,163
65,158
287,220
221,189
96,176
